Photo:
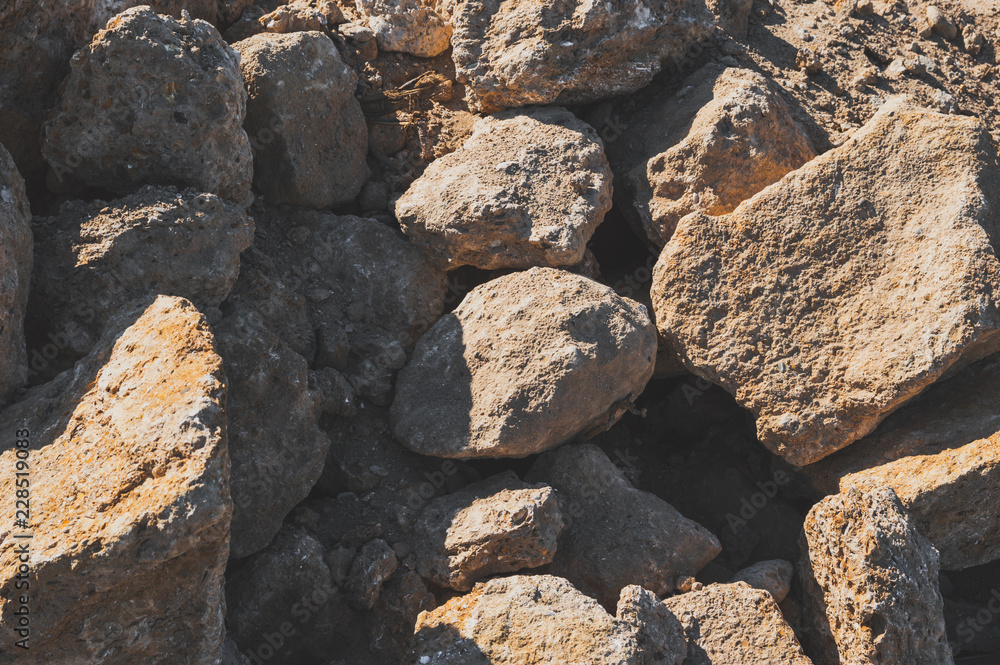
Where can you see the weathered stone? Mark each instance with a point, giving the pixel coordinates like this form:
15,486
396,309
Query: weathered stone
615,534
734,624
732,15
941,455
177,120
410,26
499,525
774,576
834,296
302,15
93,258
390,623
374,564
15,274
727,136
129,486
940,23
534,52
306,127
526,619
526,362
871,582
526,189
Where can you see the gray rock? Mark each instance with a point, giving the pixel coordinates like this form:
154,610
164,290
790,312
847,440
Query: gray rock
409,26
15,268
774,576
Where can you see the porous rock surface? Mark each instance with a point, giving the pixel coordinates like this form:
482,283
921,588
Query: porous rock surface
526,189
178,120
832,297
409,26
129,484
773,576
526,362
16,259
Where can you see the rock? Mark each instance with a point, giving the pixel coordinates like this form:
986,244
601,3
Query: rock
732,15
391,621
276,447
871,581
128,485
526,189
301,16
941,455
499,525
524,618
708,149
774,576
535,52
941,23
408,26
93,258
972,41
16,257
306,127
832,297
176,121
526,362
375,563
808,61
734,624
617,535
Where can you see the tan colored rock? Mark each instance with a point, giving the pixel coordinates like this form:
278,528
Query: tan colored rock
941,455
774,576
734,624
529,619
615,534
724,138
16,257
499,525
732,15
526,362
302,15
129,499
872,583
409,26
831,298
513,54
526,189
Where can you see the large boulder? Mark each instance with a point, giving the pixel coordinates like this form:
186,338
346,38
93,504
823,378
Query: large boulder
409,26
15,274
526,362
128,499
526,189
872,583
306,128
834,296
512,54
615,534
177,120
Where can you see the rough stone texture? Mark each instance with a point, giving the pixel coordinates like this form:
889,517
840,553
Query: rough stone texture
302,15
129,484
391,622
306,127
615,534
499,525
734,624
528,619
732,15
410,26
526,189
727,136
941,455
831,298
526,362
774,576
94,257
872,583
374,564
177,120
276,447
369,293
15,273
512,54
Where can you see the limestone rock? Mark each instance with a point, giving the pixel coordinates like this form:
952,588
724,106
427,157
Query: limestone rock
615,534
409,26
774,576
499,525
129,483
526,619
834,296
727,136
734,624
16,259
177,120
526,362
534,52
941,455
306,128
872,583
526,189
